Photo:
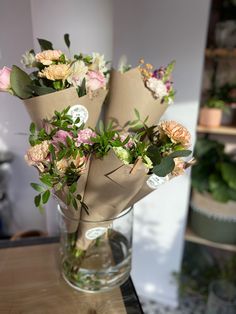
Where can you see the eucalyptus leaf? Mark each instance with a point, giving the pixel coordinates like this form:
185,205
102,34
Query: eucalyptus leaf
20,82
181,153
37,200
154,154
165,167
41,90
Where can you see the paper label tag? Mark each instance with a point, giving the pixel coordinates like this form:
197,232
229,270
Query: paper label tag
154,181
95,233
79,111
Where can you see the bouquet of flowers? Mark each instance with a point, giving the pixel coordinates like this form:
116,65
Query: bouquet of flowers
96,170
145,89
57,82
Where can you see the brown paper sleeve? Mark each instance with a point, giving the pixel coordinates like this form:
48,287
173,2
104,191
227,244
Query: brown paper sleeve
110,186
70,215
43,107
128,92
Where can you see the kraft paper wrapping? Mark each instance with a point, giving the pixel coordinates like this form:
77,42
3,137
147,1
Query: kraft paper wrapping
70,215
43,107
127,92
110,186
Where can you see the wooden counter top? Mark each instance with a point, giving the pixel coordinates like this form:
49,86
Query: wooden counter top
30,282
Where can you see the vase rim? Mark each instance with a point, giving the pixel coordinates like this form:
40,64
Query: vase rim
122,214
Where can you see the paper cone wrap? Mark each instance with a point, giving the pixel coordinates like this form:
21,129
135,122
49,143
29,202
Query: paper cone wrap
127,92
70,215
110,186
43,107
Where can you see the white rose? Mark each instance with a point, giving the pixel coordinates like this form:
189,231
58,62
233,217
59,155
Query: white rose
157,87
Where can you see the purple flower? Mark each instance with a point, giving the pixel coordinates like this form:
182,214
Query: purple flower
60,137
159,73
84,137
168,85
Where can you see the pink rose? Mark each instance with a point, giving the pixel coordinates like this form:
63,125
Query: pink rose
60,137
130,142
5,84
84,137
95,80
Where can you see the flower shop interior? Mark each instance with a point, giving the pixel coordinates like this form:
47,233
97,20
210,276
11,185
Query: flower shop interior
184,232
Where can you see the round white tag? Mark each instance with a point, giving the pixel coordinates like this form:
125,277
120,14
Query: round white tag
95,233
154,181
79,111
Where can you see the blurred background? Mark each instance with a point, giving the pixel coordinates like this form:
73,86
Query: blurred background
187,237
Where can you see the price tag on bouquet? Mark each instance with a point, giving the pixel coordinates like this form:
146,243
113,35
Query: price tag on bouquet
154,181
79,111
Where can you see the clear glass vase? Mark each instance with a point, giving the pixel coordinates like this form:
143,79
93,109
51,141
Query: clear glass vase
105,263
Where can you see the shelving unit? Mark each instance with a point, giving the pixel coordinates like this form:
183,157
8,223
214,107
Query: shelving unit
190,236
220,53
222,130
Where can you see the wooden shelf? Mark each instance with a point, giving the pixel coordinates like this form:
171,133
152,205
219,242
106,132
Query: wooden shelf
220,53
223,130
190,236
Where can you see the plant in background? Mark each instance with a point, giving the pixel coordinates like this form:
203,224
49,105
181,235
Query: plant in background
215,171
227,93
216,104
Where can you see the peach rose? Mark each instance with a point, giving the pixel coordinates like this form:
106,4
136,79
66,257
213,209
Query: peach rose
176,132
37,155
55,72
95,80
47,57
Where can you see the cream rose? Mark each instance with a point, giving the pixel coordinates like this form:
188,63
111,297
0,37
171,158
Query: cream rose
55,72
176,132
179,167
47,57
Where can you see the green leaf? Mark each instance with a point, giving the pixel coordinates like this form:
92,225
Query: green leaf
32,128
74,203
67,40
228,171
37,187
37,200
46,179
73,187
45,196
45,44
20,82
218,188
137,113
165,167
180,153
52,151
41,90
154,154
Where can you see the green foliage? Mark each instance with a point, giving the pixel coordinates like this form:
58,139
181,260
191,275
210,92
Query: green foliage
215,103
45,44
41,90
20,83
165,167
67,40
215,171
169,69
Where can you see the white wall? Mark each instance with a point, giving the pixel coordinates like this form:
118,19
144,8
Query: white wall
161,31
15,37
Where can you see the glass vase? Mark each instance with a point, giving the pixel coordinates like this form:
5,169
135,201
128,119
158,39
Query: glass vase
105,263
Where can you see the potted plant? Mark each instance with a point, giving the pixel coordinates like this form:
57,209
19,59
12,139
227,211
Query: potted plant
211,113
213,206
